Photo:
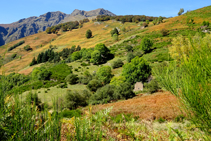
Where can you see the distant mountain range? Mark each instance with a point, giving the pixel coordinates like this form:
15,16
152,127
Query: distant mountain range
31,25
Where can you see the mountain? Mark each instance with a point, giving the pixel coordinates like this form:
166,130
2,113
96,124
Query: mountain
32,25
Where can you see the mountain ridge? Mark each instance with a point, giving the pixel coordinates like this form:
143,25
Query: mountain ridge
32,25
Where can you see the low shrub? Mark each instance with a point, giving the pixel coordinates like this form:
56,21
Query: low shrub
74,99
117,64
152,86
94,84
70,113
72,79
16,45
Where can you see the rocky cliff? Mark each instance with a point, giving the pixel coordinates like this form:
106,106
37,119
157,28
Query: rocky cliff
32,25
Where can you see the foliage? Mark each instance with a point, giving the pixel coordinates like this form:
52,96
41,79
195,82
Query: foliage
44,74
74,99
189,79
206,23
114,31
152,86
60,71
136,71
72,79
103,95
117,64
130,56
164,32
129,48
104,74
117,80
93,85
27,48
75,56
34,62
180,11
96,57
123,91
88,34
115,37
146,44
70,113
16,45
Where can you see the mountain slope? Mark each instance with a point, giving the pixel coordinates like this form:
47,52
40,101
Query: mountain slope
32,25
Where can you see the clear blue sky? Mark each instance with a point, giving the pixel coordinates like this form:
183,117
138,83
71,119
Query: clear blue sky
13,10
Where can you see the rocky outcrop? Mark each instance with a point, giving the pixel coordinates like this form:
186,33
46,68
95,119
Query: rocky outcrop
32,25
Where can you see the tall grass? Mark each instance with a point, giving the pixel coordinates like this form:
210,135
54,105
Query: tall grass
189,79
22,120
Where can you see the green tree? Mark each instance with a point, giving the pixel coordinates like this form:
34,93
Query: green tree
34,62
44,74
114,31
88,34
75,56
117,64
129,48
103,50
117,80
146,44
180,11
130,56
104,74
93,85
72,79
115,37
123,91
137,70
96,57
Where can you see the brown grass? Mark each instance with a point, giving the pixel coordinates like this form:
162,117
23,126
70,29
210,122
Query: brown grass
150,107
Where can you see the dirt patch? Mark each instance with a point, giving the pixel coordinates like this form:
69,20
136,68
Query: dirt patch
150,107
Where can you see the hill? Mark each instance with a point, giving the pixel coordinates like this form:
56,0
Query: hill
32,25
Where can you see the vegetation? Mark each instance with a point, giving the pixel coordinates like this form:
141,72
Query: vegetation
88,34
16,45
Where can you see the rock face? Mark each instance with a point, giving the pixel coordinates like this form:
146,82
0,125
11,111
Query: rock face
31,25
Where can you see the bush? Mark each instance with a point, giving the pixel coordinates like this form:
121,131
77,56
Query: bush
94,84
123,91
114,31
137,70
129,48
27,48
115,37
16,45
146,44
44,74
14,55
104,74
72,79
152,86
164,32
117,64
103,95
88,34
74,99
130,56
70,113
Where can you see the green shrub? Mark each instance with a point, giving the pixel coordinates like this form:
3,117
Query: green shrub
120,118
74,99
152,86
146,44
27,48
14,55
88,34
103,95
129,48
72,79
94,84
161,120
130,56
117,64
70,113
16,45
123,91
179,118
104,74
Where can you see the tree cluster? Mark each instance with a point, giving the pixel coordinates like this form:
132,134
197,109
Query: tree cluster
16,45
127,18
64,26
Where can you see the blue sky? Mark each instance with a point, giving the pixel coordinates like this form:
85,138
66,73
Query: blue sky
13,10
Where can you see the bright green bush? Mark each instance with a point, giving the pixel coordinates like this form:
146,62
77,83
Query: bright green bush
146,44
104,74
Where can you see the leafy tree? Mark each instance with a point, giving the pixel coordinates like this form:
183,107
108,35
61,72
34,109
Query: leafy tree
56,58
78,48
88,34
103,95
160,19
152,86
72,79
117,64
130,56
114,31
104,51
104,74
115,37
94,84
180,11
74,99
48,30
137,70
124,91
117,80
146,44
96,57
33,62
44,74
75,56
